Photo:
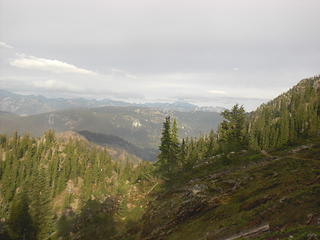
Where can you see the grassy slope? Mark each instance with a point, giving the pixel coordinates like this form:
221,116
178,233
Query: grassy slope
232,194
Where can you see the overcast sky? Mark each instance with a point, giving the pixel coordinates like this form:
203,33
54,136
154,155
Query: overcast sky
214,52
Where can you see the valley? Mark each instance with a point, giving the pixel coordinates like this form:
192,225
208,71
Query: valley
139,127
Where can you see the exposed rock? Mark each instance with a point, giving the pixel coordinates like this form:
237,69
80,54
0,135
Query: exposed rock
312,236
300,148
198,188
136,123
248,233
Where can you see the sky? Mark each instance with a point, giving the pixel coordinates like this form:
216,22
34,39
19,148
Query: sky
214,52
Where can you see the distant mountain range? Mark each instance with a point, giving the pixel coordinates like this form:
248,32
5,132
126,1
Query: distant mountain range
30,104
136,129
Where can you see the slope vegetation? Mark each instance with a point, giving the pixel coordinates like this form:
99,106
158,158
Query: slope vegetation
60,186
231,195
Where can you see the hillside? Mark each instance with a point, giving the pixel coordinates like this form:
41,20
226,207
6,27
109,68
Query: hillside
226,196
49,181
229,196
232,185
291,116
119,143
118,153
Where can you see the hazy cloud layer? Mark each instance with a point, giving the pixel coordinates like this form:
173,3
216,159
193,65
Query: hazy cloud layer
4,45
42,64
209,52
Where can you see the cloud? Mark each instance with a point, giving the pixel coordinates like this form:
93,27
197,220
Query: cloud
56,85
116,71
4,45
217,92
43,64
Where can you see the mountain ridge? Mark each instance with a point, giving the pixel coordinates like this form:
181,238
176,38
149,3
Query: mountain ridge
37,104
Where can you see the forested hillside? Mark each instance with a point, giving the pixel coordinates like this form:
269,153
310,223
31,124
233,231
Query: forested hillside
257,176
287,120
57,186
292,116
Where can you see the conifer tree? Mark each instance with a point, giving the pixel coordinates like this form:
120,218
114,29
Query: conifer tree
168,158
175,147
41,210
165,149
211,145
182,156
20,222
232,134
